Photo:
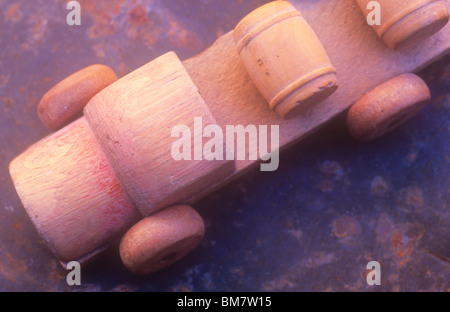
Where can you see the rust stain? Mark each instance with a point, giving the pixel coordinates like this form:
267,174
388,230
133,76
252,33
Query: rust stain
123,288
401,247
99,50
4,79
12,268
38,27
7,104
298,234
12,13
399,240
383,228
18,226
140,21
346,226
404,242
332,169
31,104
183,288
149,31
103,14
56,273
238,271
278,285
320,259
102,27
138,15
332,172
36,30
182,38
379,186
411,199
111,7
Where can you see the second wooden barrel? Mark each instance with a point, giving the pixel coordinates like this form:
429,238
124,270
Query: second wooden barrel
284,58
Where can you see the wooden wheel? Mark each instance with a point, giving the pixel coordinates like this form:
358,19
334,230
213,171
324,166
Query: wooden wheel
66,100
387,107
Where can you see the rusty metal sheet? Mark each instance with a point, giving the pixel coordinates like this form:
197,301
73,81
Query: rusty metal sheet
313,225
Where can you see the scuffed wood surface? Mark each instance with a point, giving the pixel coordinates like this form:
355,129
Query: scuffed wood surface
361,59
132,121
362,62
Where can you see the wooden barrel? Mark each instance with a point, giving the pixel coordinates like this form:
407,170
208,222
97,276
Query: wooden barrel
284,58
407,22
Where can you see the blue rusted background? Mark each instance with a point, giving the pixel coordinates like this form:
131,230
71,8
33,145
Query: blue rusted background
313,225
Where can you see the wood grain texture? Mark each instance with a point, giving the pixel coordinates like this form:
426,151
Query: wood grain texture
66,100
284,58
133,121
161,239
387,106
361,59
71,193
362,62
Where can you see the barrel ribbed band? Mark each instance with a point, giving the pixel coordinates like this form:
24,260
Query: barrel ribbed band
261,19
277,99
407,10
